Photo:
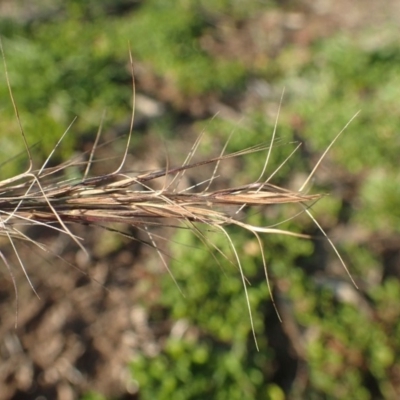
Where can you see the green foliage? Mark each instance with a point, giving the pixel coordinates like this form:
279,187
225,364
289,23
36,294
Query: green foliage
342,77
93,396
380,193
191,370
333,347
177,54
216,358
60,72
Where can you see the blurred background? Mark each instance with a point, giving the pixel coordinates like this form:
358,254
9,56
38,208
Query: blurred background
117,326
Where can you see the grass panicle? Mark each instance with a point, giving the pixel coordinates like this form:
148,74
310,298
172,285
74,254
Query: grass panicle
45,197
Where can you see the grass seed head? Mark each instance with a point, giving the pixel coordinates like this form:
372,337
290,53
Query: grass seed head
45,197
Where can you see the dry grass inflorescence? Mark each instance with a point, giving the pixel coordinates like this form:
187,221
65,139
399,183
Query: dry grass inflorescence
44,196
